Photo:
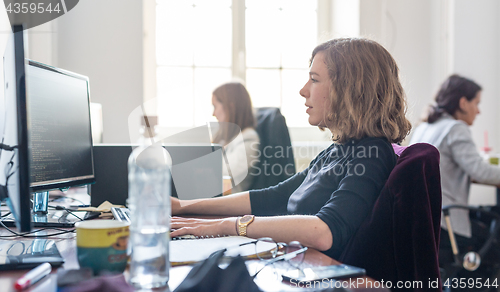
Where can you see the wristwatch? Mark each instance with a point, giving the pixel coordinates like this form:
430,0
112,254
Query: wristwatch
242,224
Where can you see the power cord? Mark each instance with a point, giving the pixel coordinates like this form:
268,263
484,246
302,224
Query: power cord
27,234
7,214
58,207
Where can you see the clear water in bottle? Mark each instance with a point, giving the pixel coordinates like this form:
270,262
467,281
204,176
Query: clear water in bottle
149,266
149,204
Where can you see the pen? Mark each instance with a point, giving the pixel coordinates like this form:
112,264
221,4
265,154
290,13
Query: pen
33,276
79,206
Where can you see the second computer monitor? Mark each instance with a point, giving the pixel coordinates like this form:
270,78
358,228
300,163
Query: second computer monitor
60,129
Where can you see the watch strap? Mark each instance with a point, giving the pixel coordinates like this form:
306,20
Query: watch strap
242,226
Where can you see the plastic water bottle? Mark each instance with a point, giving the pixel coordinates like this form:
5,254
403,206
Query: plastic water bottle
149,203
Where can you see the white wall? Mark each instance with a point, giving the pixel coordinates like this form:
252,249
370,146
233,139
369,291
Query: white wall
477,55
408,30
103,40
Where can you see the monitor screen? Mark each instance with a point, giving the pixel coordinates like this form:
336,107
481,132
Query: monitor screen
14,165
60,129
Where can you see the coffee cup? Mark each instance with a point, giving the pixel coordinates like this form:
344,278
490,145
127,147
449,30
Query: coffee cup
102,245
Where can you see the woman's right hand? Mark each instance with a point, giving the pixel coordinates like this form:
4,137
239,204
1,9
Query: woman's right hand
176,206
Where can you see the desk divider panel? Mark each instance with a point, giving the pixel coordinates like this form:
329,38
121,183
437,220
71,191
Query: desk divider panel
196,172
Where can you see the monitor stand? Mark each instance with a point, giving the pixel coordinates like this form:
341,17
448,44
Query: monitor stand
42,217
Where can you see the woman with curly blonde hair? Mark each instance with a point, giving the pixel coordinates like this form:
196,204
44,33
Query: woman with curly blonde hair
354,91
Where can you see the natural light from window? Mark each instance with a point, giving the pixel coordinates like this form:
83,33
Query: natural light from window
194,48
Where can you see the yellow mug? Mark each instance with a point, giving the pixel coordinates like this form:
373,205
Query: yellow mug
102,245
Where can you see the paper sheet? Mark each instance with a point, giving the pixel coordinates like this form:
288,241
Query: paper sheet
195,250
104,207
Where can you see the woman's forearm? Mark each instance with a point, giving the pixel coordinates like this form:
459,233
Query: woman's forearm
236,204
308,230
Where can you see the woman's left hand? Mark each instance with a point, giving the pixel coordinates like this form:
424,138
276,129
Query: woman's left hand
203,227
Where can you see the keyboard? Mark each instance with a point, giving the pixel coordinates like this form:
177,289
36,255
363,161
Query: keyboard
123,214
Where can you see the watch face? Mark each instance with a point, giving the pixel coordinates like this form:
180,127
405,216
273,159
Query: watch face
246,219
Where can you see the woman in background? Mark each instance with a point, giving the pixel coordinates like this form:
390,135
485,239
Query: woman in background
233,110
447,128
353,90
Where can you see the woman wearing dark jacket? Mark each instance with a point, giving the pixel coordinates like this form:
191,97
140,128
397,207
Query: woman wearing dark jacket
354,91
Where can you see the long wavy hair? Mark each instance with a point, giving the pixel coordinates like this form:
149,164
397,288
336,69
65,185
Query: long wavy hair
237,105
448,97
366,97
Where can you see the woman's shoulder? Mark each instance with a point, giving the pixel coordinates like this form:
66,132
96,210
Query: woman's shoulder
379,142
459,131
356,148
447,122
250,134
450,127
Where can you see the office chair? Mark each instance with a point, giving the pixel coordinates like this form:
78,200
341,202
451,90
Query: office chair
276,162
399,240
468,262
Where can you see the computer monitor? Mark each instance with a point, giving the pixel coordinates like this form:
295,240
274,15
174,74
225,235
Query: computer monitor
60,153
60,132
14,157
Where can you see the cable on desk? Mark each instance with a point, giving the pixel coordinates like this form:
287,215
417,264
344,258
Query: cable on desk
27,234
65,209
8,213
66,197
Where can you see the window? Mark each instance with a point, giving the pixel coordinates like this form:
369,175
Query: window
195,48
280,36
193,55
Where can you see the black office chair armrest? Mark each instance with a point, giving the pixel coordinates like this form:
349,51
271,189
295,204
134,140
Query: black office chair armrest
493,231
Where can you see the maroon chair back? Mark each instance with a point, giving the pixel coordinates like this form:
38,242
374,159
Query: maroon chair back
399,240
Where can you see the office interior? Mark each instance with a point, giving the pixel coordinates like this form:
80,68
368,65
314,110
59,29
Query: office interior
114,43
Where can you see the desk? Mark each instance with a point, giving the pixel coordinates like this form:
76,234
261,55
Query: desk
267,280
66,243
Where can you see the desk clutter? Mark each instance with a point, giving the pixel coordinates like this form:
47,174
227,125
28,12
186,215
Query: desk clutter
82,280
189,251
105,210
207,276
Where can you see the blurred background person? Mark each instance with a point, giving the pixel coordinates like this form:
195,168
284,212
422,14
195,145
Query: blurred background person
447,128
233,110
